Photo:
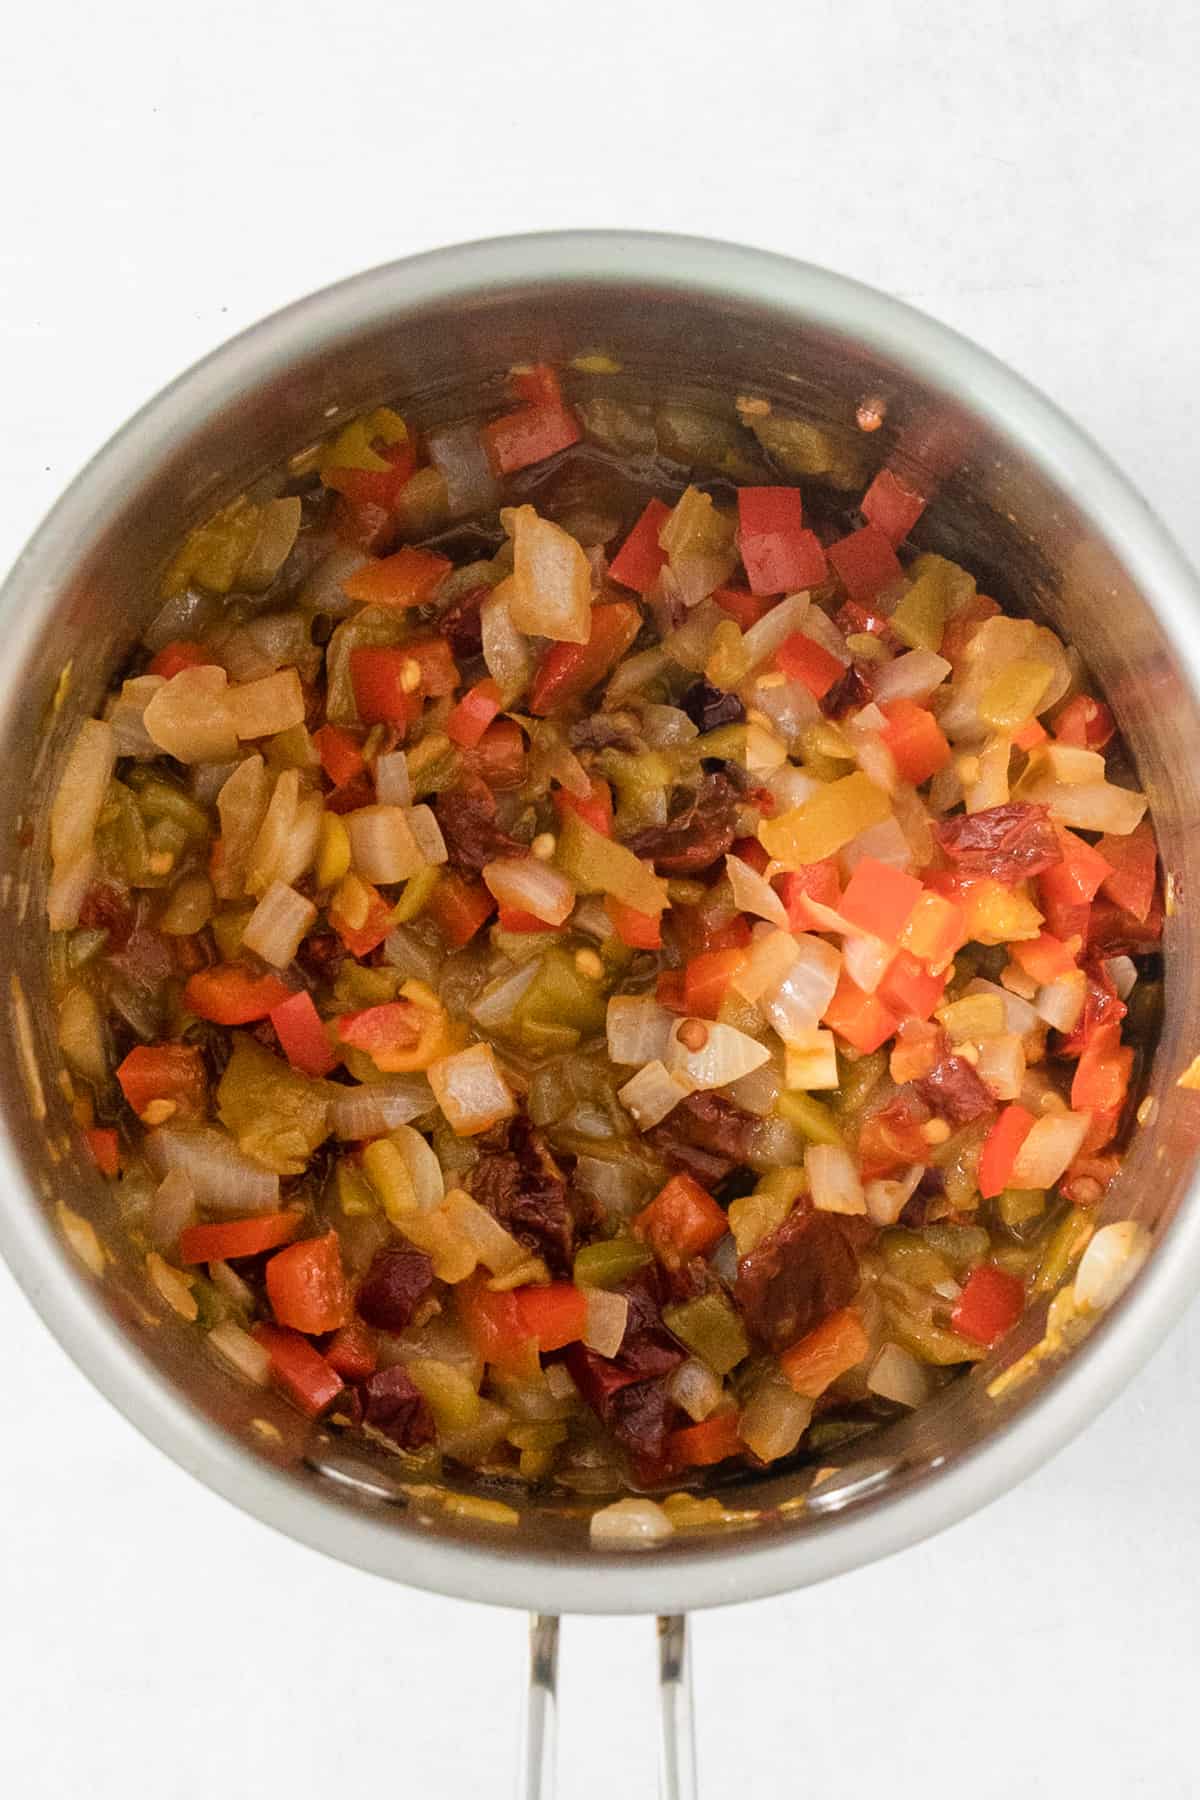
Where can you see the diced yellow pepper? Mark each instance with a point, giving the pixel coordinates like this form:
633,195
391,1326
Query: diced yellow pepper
694,526
823,824
1065,1245
1017,1206
974,1016
352,447
418,891
728,660
333,856
354,1195
955,585
1000,915
1012,696
453,1401
920,618
809,1116
388,1173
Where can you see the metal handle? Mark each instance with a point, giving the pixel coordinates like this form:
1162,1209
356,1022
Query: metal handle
537,1771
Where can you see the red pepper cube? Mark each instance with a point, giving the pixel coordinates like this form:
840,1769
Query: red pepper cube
917,742
306,1285
1085,723
637,930
778,554
104,1149
990,1304
459,906
1133,870
1043,958
706,981
300,1370
568,671
880,898
641,558
1078,877
909,989
865,562
528,436
594,808
383,690
680,1222
1000,1149
474,713
341,755
861,1019
302,1035
801,658
892,506
555,1315
743,607
815,881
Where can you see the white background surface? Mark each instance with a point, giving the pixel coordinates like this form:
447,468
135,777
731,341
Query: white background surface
1027,173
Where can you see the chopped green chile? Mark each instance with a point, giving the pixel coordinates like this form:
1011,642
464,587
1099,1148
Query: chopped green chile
419,1111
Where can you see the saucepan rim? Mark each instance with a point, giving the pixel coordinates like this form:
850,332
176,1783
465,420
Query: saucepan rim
679,1578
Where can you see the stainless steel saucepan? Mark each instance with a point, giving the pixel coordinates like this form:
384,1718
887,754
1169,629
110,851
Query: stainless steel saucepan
1021,497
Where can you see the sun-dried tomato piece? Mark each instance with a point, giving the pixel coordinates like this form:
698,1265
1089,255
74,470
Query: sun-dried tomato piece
394,1405
706,1135
1011,843
799,1274
467,816
696,837
892,1137
393,1287
1102,1005
525,1190
953,1089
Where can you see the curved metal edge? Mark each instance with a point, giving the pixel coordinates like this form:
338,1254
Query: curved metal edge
680,1577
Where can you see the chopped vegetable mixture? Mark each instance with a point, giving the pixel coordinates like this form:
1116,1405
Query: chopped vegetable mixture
585,954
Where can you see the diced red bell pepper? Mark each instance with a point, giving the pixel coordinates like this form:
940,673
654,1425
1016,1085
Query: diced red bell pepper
394,1025
165,1072
861,1019
641,559
802,659
833,1347
697,931
351,1352
1068,887
354,793
104,1149
706,981
232,995
1043,958
180,654
307,1287
1031,734
1085,723
817,881
1133,870
513,918
568,671
680,1222
537,385
936,930
474,713
301,1035
990,1304
865,562
409,577
713,1440
435,659
384,692
778,554
360,940
1112,931
962,625
237,1237
892,506
639,930
459,906
529,435
499,756
743,607
917,742
594,808
1000,1149
494,1326
299,1369
341,755
555,1315
880,898
1102,1072
909,990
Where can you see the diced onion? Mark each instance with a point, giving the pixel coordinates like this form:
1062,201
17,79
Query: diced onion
774,628
696,1389
241,806
887,842
242,1352
751,893
262,708
821,629
172,1208
886,1198
382,845
689,646
496,1248
1001,1065
1060,1002
551,580
277,926
790,787
529,885
1122,972
867,960
607,1315
811,1062
424,1168
651,1094
67,888
189,716
1050,1148
758,1091
725,1055
875,759
665,726
184,615
789,705
505,650
404,950
287,840
989,785
634,672
897,1375
323,591
471,1091
393,787
471,488
427,834
797,1005
912,676
126,711
1109,1264
630,1525
224,1178
774,1419
617,1188
82,1036
378,1107
1019,1016
765,965
639,1029
173,1285
498,1002
833,1179
80,795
